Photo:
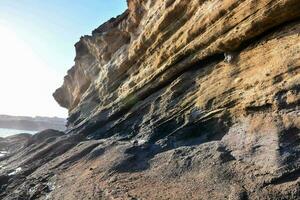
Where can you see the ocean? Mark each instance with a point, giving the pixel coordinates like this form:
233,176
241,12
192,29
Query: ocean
8,132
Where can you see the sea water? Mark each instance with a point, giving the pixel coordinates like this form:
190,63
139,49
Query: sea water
8,132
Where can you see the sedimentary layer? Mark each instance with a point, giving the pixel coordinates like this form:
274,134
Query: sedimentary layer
176,99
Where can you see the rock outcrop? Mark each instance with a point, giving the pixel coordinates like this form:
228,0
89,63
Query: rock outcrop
176,99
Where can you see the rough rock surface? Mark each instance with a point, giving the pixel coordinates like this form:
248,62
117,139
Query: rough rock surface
176,99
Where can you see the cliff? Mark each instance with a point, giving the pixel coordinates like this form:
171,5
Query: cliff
32,123
176,99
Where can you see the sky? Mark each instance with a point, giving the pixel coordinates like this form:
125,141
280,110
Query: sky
37,40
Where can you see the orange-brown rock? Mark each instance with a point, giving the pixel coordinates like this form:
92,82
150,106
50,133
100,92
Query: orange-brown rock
178,99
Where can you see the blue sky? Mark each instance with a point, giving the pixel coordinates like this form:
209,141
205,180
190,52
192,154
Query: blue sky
48,28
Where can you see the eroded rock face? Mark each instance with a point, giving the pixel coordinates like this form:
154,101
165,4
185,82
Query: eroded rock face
179,99
150,45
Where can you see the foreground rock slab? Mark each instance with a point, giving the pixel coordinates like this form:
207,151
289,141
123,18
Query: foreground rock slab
175,99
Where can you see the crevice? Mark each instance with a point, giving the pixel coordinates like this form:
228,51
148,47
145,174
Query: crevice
259,38
261,108
281,98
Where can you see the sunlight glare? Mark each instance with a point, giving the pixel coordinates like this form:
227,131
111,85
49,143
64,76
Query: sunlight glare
26,82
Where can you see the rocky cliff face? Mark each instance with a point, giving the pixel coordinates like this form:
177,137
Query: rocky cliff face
178,99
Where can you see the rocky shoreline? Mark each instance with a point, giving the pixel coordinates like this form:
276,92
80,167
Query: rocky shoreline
173,99
32,123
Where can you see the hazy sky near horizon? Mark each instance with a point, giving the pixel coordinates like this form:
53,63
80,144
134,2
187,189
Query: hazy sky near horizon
37,40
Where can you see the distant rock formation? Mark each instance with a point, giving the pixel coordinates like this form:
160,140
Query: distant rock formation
32,123
175,99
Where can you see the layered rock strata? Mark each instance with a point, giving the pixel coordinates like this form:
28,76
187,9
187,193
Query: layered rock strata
176,99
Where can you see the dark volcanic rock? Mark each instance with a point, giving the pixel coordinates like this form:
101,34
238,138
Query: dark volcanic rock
175,99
